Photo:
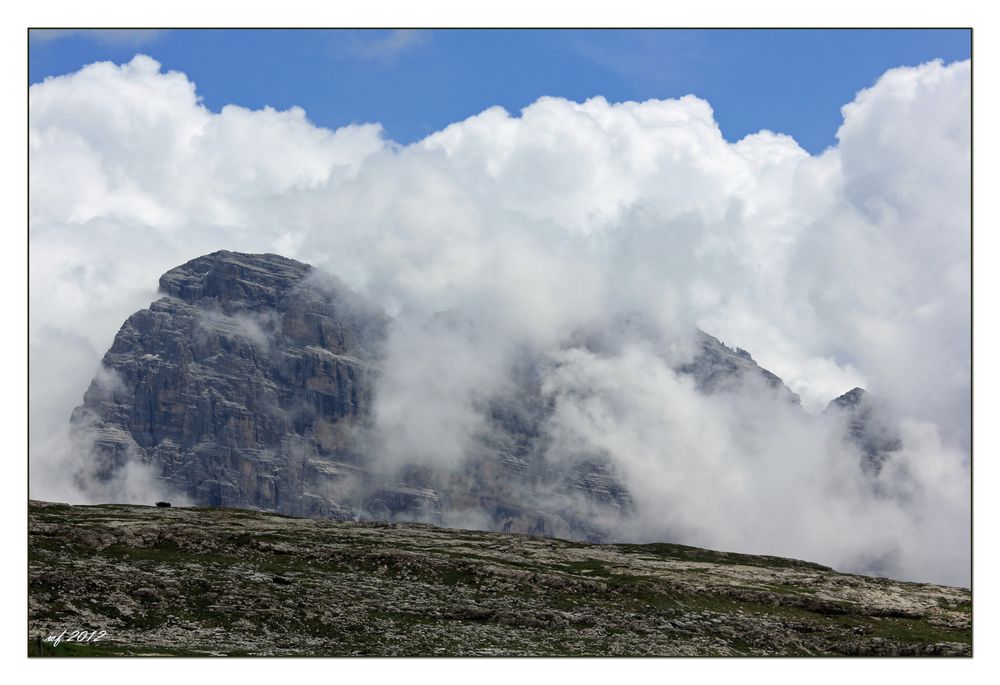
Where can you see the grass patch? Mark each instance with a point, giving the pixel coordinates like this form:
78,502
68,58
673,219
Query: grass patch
588,567
686,553
908,630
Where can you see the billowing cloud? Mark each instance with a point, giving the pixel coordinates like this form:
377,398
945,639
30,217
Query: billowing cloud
843,269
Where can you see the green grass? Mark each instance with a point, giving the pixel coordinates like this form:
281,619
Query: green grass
589,567
686,553
909,631
196,586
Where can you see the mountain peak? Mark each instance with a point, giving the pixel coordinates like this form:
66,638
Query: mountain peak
234,276
718,366
849,399
867,426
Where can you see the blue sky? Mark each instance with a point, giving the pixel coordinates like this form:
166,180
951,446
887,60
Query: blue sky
417,82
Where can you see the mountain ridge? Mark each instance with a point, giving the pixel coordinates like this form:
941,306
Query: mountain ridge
251,383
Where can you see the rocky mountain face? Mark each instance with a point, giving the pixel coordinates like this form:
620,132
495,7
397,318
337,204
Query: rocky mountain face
251,384
241,385
867,428
718,367
188,582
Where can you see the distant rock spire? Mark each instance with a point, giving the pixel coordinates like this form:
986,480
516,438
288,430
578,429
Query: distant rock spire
867,427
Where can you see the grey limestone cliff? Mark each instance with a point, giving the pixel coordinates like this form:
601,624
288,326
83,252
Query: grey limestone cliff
251,383
718,367
866,427
241,385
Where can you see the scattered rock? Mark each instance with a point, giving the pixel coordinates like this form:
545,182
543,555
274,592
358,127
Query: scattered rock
190,582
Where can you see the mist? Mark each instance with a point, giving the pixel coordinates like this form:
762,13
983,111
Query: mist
532,238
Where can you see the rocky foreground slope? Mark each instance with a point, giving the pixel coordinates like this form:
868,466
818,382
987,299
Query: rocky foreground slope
187,581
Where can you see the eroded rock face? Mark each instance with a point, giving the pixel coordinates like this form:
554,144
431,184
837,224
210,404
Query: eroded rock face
867,427
242,385
718,367
251,383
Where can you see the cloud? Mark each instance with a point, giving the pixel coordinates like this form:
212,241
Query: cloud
377,46
843,269
112,37
647,56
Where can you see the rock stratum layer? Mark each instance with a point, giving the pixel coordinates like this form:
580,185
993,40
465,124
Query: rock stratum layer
251,384
183,581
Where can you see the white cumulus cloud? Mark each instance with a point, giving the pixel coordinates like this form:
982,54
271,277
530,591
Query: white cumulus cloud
843,269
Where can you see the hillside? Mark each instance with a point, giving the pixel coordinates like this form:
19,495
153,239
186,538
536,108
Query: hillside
191,581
